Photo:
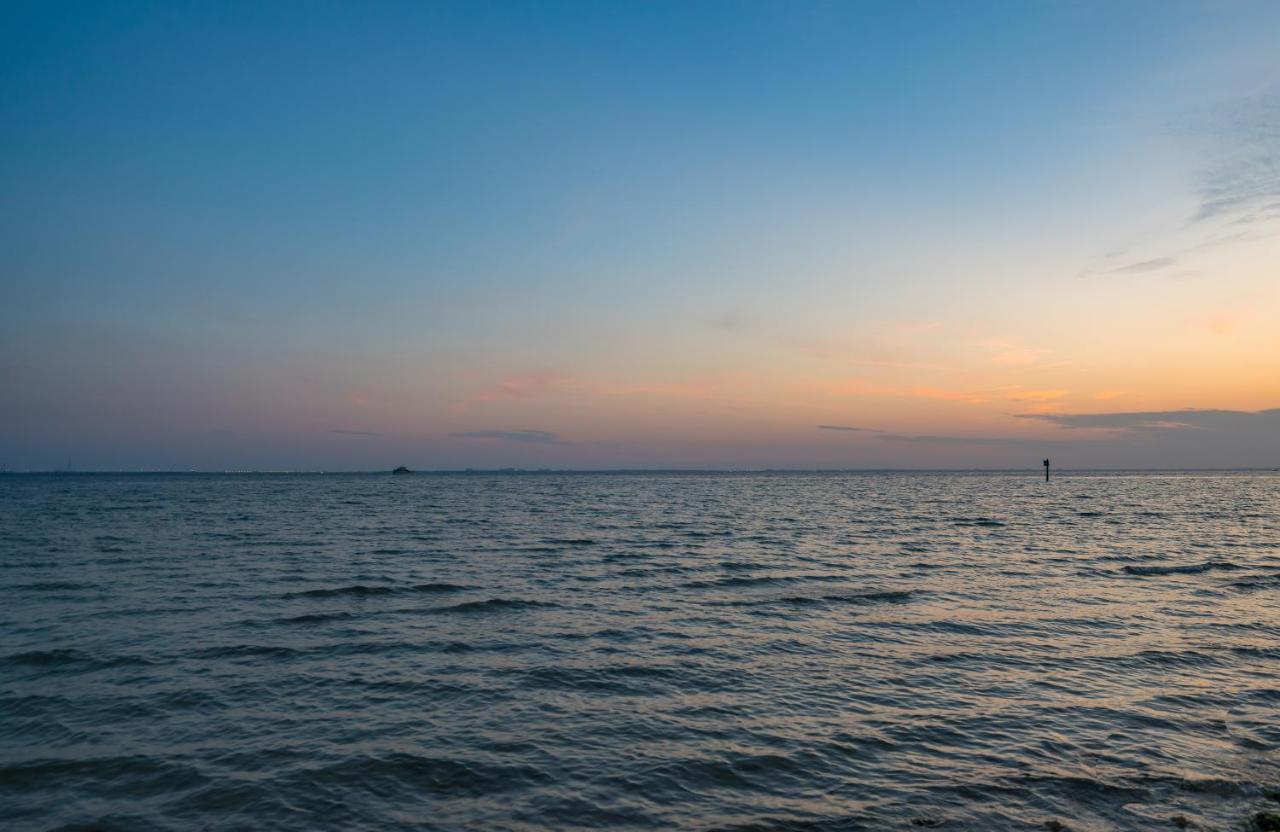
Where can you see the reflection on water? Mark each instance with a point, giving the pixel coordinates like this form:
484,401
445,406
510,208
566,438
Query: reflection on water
764,651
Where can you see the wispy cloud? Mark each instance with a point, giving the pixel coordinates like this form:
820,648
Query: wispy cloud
1241,180
1162,420
986,441
1237,191
1200,438
849,428
1238,435
1152,265
893,344
346,432
532,437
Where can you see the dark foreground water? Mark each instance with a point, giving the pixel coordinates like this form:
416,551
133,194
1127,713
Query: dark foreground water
755,651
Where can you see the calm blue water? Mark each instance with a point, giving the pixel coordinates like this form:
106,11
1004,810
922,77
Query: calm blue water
753,651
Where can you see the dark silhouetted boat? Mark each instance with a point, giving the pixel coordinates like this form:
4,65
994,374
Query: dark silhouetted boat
402,470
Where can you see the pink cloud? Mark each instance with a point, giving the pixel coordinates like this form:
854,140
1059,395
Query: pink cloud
1037,395
971,397
851,387
1011,352
862,387
554,382
704,387
1220,323
525,386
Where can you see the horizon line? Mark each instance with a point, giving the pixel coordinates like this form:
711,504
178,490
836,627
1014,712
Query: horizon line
518,470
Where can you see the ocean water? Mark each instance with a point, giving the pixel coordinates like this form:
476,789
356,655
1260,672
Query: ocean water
641,651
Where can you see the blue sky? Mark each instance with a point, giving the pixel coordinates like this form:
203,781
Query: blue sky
323,235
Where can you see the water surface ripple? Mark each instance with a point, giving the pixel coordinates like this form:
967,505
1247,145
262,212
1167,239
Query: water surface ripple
733,651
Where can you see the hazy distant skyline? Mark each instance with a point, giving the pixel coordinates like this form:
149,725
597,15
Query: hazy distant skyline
724,235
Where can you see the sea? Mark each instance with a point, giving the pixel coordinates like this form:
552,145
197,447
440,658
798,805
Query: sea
640,651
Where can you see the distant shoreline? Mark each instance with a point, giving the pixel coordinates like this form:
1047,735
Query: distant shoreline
464,472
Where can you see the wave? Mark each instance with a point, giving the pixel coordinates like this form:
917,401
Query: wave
885,597
836,823
355,589
1268,582
51,586
46,658
761,580
417,773
138,771
1182,569
617,679
315,618
241,651
858,655
1184,658
495,605
361,590
764,580
63,658
438,587
855,598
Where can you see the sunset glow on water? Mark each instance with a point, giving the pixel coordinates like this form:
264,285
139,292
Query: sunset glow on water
714,651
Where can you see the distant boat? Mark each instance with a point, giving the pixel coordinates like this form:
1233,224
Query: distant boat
402,470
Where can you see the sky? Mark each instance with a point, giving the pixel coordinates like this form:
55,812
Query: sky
332,236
